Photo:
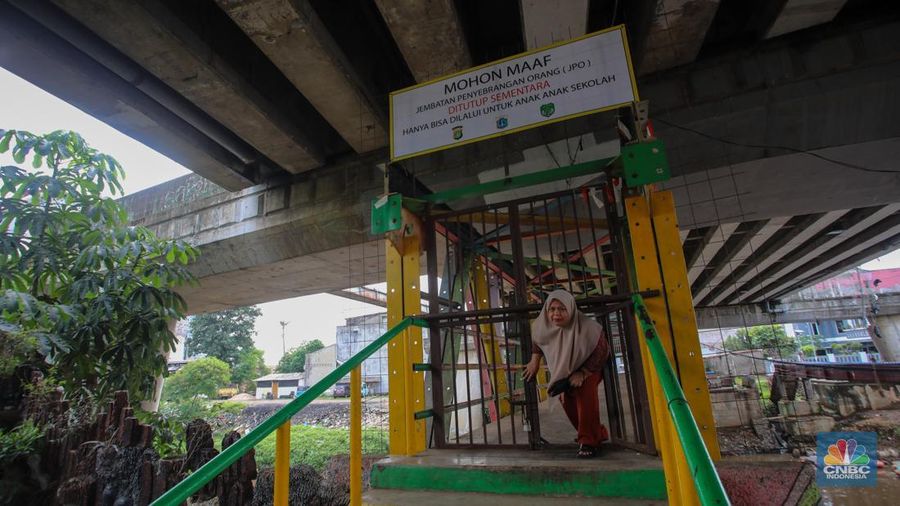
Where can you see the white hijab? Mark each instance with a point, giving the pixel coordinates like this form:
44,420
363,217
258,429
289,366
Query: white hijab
565,348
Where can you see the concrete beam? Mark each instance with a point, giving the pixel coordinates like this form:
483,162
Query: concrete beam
429,36
741,259
271,242
152,36
548,21
48,59
295,40
718,236
876,250
794,233
748,315
799,14
736,244
867,236
676,33
812,90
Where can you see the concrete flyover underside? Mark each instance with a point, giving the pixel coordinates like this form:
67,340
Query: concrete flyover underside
306,233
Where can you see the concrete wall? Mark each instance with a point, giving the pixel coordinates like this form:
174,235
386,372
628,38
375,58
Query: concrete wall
843,399
737,363
735,406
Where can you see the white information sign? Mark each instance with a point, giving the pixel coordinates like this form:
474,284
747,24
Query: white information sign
586,75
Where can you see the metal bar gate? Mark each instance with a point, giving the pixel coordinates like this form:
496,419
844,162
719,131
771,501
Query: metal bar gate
489,269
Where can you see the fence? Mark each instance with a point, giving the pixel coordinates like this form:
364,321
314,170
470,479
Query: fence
861,357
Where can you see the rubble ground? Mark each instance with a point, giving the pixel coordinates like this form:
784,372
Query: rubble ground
320,413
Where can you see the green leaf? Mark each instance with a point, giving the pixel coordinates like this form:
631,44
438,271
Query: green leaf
4,142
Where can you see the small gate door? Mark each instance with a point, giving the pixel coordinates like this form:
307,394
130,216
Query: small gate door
489,269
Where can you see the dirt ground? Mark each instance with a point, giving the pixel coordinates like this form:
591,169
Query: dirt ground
885,422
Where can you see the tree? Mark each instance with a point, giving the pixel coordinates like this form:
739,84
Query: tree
295,359
769,337
200,377
225,335
251,365
92,293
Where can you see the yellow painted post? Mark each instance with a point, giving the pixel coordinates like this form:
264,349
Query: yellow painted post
406,388
688,355
274,389
679,484
282,464
493,356
356,436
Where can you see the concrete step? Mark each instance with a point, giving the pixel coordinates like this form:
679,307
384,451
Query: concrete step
383,497
555,472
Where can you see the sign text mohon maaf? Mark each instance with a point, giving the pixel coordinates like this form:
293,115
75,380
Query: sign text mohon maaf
582,76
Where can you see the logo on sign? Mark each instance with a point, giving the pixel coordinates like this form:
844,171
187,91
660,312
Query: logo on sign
502,122
843,459
457,133
547,110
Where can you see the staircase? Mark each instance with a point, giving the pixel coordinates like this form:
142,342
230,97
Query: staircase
507,476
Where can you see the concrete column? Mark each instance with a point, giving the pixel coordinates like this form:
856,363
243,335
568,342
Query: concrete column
887,339
152,404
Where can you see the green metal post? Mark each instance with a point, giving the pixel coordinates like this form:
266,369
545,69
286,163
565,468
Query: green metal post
184,489
703,472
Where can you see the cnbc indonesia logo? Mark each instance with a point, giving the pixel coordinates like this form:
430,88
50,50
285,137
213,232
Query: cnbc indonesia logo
844,459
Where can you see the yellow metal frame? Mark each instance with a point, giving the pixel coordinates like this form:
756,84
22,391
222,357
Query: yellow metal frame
493,355
659,265
282,464
356,436
406,388
688,356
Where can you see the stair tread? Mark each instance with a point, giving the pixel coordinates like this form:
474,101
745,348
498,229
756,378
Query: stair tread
379,497
610,459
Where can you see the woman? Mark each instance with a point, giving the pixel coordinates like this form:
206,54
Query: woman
576,350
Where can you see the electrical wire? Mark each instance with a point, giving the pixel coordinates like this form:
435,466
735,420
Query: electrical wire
783,148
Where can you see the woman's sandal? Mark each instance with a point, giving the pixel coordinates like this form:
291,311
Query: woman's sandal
586,452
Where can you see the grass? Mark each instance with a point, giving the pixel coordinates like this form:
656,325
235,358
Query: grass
314,446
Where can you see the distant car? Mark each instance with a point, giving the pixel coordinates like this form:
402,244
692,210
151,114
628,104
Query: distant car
341,390
226,392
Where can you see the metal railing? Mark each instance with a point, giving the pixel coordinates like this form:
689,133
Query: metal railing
703,472
280,422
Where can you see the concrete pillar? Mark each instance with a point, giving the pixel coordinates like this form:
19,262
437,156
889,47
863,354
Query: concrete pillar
887,339
152,404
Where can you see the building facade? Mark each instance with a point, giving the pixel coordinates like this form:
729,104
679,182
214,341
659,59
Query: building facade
279,385
355,335
319,364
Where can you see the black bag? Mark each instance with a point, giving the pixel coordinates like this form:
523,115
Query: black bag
558,387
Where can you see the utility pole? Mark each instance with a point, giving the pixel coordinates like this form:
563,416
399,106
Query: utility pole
283,348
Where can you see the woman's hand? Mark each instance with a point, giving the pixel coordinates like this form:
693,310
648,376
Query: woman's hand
532,367
576,379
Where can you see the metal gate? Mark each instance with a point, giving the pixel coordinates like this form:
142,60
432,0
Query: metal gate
489,269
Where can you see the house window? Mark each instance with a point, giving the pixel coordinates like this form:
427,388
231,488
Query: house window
851,324
814,328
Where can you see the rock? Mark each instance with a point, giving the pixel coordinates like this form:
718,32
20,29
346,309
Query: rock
303,487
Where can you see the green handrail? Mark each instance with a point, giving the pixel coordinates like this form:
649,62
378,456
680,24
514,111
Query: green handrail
184,489
703,472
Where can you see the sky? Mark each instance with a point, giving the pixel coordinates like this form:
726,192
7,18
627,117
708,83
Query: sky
26,107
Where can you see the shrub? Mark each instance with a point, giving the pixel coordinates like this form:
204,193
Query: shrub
20,441
314,446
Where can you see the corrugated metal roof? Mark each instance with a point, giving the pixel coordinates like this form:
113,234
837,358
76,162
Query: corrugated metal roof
281,376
